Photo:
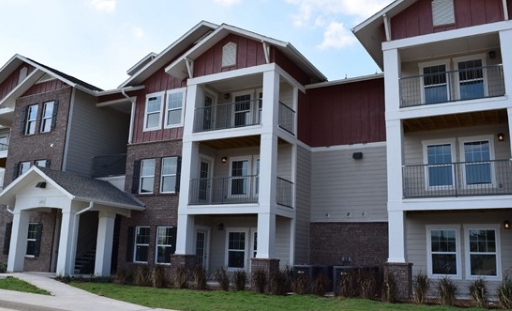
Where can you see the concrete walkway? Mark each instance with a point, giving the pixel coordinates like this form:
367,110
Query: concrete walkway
63,297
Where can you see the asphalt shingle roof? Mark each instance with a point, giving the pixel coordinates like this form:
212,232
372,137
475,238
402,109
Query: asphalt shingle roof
91,189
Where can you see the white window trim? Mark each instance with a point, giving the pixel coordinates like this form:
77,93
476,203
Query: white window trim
28,121
135,244
444,9
490,139
251,103
246,249
157,245
162,103
249,187
434,142
167,109
229,60
497,229
21,166
256,160
34,240
481,57
162,175
445,62
45,120
147,176
458,252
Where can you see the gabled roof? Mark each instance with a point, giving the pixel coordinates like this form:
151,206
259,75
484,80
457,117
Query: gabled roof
172,51
369,32
75,187
178,67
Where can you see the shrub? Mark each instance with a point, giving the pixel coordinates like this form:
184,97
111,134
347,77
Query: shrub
259,280
505,293
180,277
367,283
199,278
143,276
421,287
447,290
478,292
124,276
320,285
221,276
279,282
389,288
300,284
348,284
3,267
240,277
159,276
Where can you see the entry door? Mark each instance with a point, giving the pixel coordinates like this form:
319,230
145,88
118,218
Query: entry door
202,247
205,181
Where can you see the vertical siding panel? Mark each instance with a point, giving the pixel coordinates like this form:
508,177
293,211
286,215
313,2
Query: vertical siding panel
477,12
252,53
425,20
494,11
462,13
242,53
412,25
398,27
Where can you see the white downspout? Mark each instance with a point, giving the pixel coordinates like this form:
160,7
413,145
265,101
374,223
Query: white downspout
386,27
132,114
505,10
75,233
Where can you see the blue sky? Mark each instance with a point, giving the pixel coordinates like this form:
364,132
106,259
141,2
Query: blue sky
98,40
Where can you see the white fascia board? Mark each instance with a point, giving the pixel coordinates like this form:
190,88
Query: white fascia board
378,144
120,90
231,74
377,16
454,204
113,204
345,81
9,67
447,35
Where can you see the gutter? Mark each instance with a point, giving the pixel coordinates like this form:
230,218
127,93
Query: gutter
132,115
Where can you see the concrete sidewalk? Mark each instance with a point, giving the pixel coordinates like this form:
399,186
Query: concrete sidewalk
63,298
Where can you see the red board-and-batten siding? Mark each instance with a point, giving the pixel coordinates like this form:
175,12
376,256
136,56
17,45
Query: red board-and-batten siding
343,114
416,20
12,81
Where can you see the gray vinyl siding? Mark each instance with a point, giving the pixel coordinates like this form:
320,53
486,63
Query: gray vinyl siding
349,190
303,205
94,132
416,241
283,241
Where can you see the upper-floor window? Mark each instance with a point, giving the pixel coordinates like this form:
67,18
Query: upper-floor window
169,175
471,80
443,12
23,167
48,117
42,163
439,157
153,113
31,119
174,108
4,142
147,176
477,153
435,85
229,54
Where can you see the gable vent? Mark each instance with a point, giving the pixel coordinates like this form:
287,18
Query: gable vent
229,54
443,12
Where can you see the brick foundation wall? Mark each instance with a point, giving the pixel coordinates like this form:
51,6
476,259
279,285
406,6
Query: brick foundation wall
161,209
270,266
365,243
402,276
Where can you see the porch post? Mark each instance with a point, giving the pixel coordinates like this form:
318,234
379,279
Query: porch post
185,235
266,236
506,57
67,244
396,240
104,243
18,246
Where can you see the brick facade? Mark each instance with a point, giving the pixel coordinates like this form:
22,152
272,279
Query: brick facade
365,243
402,276
161,209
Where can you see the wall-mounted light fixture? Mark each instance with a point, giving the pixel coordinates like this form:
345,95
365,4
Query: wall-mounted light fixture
220,226
506,224
224,159
227,95
357,155
41,184
492,54
501,137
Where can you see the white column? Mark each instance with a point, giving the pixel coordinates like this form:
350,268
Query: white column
67,244
190,105
104,241
506,56
266,235
396,239
185,235
509,112
18,244
270,107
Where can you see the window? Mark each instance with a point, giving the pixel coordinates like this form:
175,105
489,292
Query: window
435,87
236,249
477,157
229,54
4,142
257,177
482,255
443,12
31,118
165,244
443,251
240,170
169,174
471,78
141,249
243,110
174,108
42,163
47,117
152,116
147,176
439,158
33,239
208,112
23,167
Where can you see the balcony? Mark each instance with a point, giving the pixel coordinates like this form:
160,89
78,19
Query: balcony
111,165
449,86
235,190
458,179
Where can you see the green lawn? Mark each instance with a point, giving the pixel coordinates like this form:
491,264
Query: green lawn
190,300
12,283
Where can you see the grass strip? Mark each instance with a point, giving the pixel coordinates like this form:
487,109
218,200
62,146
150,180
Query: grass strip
12,283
